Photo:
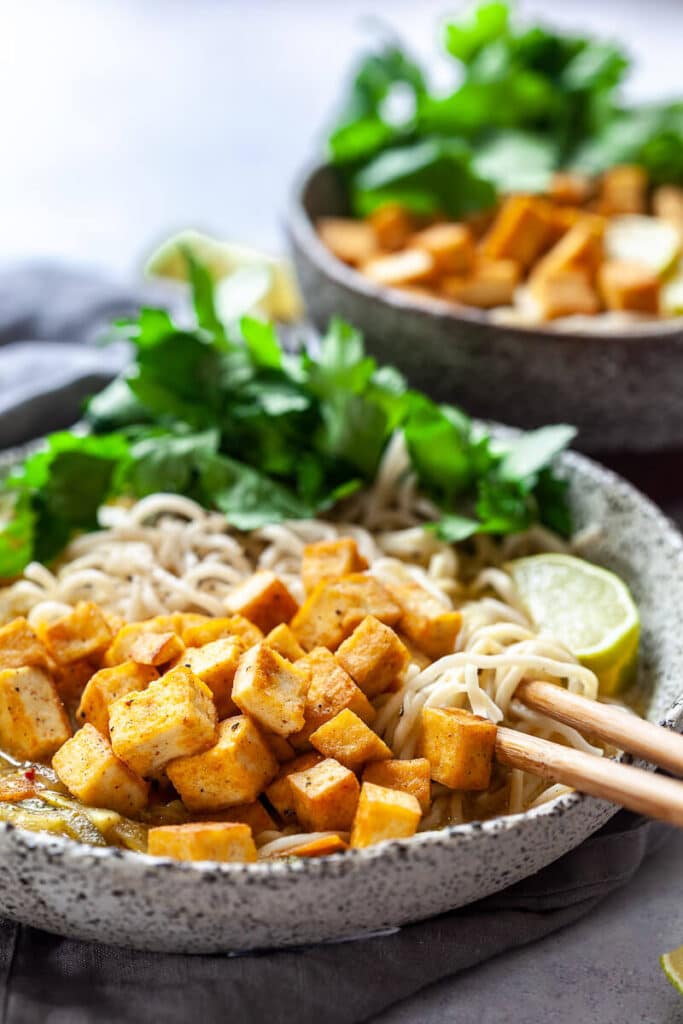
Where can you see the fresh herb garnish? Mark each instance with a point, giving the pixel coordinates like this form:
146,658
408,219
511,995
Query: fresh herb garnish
228,417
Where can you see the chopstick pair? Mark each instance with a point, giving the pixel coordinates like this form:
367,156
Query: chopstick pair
633,788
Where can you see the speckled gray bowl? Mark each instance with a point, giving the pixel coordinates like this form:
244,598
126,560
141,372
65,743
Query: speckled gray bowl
623,391
135,900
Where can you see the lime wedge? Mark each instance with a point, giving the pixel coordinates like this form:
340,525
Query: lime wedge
672,295
653,243
588,609
279,298
672,965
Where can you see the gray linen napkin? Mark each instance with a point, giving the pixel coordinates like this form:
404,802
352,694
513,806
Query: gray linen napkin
46,369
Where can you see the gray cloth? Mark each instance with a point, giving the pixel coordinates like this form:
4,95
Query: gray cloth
45,372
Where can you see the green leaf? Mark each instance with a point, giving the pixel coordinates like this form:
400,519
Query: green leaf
551,494
503,506
115,407
170,463
517,161
454,529
16,532
438,441
202,286
487,23
528,454
248,498
261,340
150,327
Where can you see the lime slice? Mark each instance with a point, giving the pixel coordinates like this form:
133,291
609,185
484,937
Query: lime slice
672,296
588,609
672,965
652,243
280,300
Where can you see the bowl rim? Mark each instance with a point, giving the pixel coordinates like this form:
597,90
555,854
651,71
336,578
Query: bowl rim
353,859
301,229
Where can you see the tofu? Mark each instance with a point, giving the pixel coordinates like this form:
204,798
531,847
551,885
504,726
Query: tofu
106,686
623,189
174,717
157,648
270,690
282,640
264,600
92,772
451,246
200,634
254,815
333,609
330,690
407,267
347,739
491,283
392,226
33,721
519,231
427,622
667,203
282,748
330,560
279,793
321,847
571,188
19,646
82,633
216,664
459,747
580,249
121,647
629,286
351,241
325,796
71,680
373,656
384,814
227,842
234,771
565,293
410,776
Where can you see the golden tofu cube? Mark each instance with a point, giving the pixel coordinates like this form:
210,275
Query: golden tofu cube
19,646
373,656
451,246
282,640
384,814
427,623
82,633
279,793
667,203
236,626
271,690
571,188
491,283
565,293
629,286
406,267
519,232
156,648
623,189
410,776
174,717
325,796
33,721
106,686
234,771
216,664
330,690
581,248
91,771
70,681
254,815
392,226
321,847
121,647
332,610
282,748
351,241
330,560
347,739
263,599
459,747
227,842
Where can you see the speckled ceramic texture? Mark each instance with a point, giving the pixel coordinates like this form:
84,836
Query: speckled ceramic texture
621,391
131,899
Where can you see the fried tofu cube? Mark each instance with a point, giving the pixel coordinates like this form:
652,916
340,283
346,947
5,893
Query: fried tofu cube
282,748
174,717
19,646
566,293
325,796
263,599
629,286
106,686
373,656
571,188
234,771
623,189
392,226
121,647
82,633
667,203
330,560
384,814
491,283
519,232
330,690
321,847
216,664
332,610
156,648
71,680
279,793
427,623
227,842
580,249
91,771
254,815
351,241
410,776
200,634
459,747
406,267
282,640
33,721
347,739
451,246
271,690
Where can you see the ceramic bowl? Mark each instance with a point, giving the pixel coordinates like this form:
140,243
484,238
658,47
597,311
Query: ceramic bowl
130,899
622,390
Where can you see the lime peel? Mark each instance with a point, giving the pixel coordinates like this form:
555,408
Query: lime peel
672,965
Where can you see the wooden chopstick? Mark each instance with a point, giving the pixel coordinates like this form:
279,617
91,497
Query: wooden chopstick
634,788
626,732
